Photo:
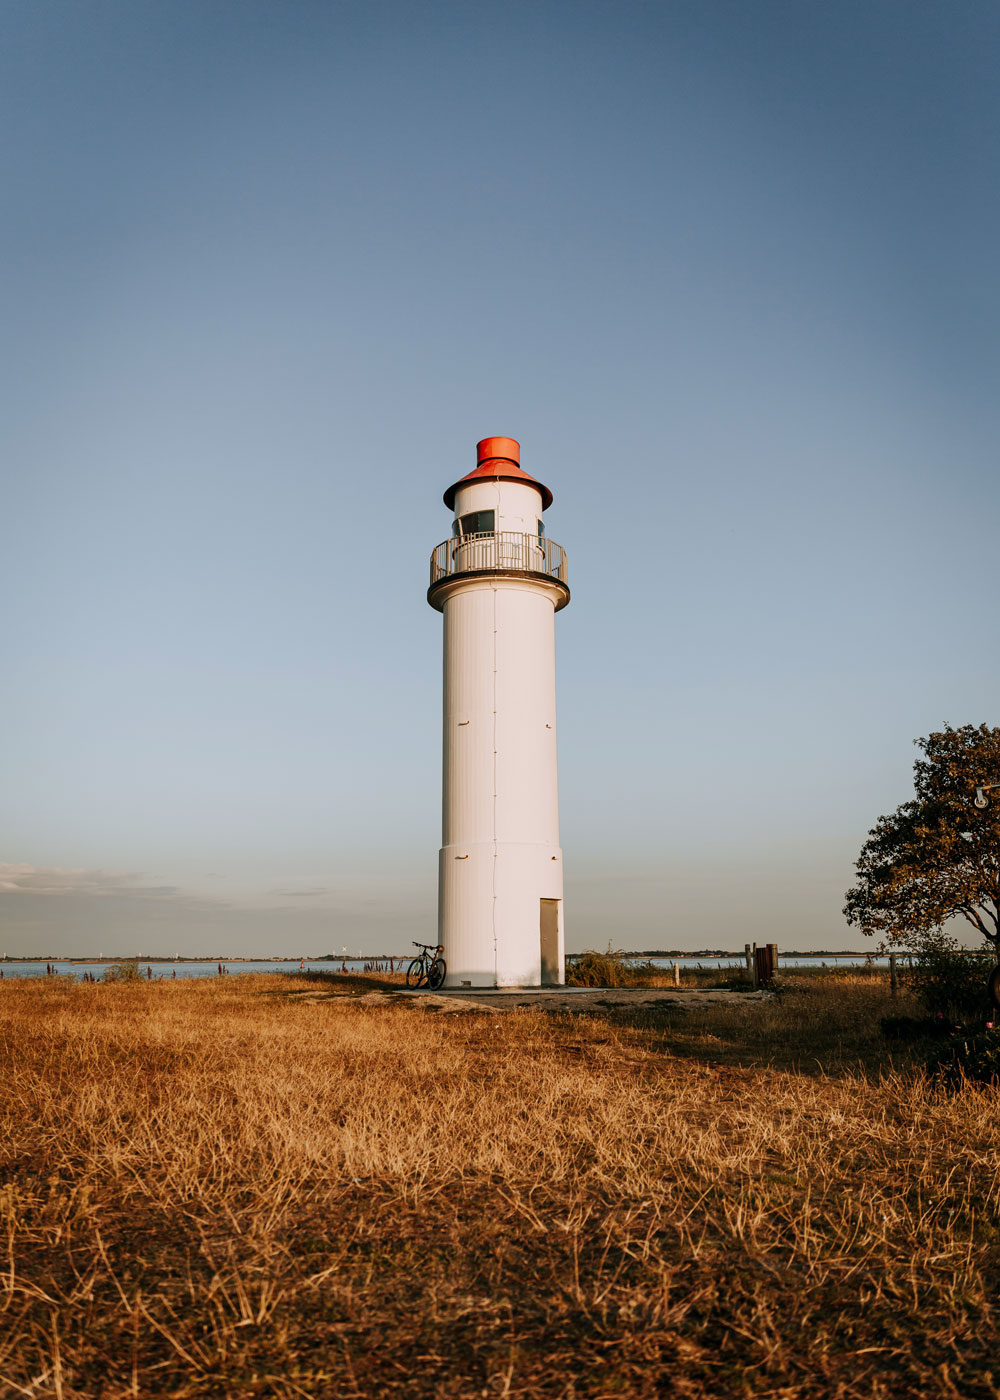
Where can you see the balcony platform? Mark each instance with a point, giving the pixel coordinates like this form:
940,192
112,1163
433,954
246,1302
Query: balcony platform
499,554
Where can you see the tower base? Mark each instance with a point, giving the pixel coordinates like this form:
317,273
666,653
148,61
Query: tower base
501,915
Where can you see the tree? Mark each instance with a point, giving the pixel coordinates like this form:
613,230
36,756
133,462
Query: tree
937,856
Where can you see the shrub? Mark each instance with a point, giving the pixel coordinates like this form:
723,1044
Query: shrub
123,972
951,979
608,969
916,1027
970,1057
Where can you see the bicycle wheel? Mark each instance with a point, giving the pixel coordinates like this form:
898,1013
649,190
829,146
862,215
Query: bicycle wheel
436,974
415,973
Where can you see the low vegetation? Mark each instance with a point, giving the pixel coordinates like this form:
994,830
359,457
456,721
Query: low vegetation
612,969
949,979
247,1187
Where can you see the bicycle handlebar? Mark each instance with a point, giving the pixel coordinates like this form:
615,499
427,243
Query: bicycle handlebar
435,946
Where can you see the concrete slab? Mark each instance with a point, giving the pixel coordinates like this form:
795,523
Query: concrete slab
579,998
491,1000
510,991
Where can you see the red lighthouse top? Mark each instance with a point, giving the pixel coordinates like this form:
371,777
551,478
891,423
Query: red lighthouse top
498,459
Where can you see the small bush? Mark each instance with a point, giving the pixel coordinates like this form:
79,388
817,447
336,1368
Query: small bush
970,1057
593,969
123,972
608,969
916,1027
950,979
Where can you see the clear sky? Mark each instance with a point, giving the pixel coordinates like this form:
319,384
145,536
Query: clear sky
728,271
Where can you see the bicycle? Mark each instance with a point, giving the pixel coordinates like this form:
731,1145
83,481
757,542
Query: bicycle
428,966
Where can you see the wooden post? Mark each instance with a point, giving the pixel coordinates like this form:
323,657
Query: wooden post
749,957
677,974
754,971
772,949
893,975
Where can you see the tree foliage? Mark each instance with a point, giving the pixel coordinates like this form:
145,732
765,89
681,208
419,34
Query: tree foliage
938,855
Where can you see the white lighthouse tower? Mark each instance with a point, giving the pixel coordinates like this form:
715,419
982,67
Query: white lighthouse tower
499,581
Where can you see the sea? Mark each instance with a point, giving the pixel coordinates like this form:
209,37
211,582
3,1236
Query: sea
155,971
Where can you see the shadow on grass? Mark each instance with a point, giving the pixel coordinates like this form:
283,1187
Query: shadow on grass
348,982
813,1027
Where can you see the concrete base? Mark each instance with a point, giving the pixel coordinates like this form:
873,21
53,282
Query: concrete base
507,991
494,1001
578,998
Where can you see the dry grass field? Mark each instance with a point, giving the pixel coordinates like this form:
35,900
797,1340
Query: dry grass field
223,1188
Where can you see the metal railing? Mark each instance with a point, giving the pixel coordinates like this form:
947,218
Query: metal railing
498,551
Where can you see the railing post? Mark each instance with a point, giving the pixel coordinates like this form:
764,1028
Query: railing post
893,975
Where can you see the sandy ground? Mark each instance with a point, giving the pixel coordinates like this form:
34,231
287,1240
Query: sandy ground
564,999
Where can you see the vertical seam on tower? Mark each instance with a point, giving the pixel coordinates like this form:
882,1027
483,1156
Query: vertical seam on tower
496,970
496,848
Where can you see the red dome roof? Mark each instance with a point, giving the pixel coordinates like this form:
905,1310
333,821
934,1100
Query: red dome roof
498,459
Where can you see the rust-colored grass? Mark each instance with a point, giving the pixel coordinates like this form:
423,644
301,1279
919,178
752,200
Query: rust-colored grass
221,1189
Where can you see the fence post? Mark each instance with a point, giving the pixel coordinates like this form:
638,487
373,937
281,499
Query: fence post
749,957
677,974
893,975
754,972
772,949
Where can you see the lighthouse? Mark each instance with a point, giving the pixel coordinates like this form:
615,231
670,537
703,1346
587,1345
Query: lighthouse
499,582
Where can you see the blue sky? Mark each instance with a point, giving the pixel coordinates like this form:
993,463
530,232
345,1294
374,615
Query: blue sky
727,271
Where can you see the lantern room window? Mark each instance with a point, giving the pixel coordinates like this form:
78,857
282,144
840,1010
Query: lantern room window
477,522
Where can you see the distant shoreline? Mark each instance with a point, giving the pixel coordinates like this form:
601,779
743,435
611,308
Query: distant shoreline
402,957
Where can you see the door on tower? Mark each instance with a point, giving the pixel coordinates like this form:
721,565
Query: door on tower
549,936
